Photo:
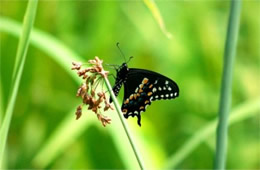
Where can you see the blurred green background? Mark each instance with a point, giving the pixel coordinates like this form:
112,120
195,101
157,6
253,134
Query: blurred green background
177,133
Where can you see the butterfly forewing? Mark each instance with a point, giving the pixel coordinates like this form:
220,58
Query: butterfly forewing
142,87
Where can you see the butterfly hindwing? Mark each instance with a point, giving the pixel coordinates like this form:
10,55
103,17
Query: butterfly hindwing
141,87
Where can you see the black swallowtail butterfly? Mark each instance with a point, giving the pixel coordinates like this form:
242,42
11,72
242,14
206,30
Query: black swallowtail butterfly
141,87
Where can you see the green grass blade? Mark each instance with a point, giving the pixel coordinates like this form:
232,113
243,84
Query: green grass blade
240,113
21,55
157,16
1,103
3,166
226,87
25,36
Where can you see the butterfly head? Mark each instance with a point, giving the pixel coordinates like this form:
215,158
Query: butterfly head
121,76
122,71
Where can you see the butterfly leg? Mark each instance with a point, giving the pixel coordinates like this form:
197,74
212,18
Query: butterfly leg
112,75
114,66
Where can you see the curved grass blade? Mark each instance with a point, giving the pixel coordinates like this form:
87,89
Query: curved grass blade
20,59
157,16
240,113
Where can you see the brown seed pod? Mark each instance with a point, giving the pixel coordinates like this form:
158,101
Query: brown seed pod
91,97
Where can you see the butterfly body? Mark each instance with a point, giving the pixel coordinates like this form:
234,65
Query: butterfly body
121,76
141,87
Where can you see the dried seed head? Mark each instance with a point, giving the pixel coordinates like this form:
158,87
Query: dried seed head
81,72
85,76
76,65
82,90
87,91
104,120
93,93
78,112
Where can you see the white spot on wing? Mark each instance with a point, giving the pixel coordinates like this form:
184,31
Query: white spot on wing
175,94
154,89
166,82
169,88
136,90
156,96
171,94
164,88
159,88
161,96
136,112
156,82
167,95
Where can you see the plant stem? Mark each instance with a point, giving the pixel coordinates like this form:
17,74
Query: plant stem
18,69
120,114
226,87
241,112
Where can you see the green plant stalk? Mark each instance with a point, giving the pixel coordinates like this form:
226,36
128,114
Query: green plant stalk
20,56
239,113
1,103
22,50
120,114
226,88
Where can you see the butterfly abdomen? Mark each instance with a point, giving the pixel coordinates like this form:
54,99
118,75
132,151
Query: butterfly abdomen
117,88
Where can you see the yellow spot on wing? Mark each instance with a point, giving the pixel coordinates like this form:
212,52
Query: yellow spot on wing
131,97
149,93
145,80
126,101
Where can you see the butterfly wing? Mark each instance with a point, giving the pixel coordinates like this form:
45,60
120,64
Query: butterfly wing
142,87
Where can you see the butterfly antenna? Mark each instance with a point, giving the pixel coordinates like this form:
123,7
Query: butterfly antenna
117,44
129,59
